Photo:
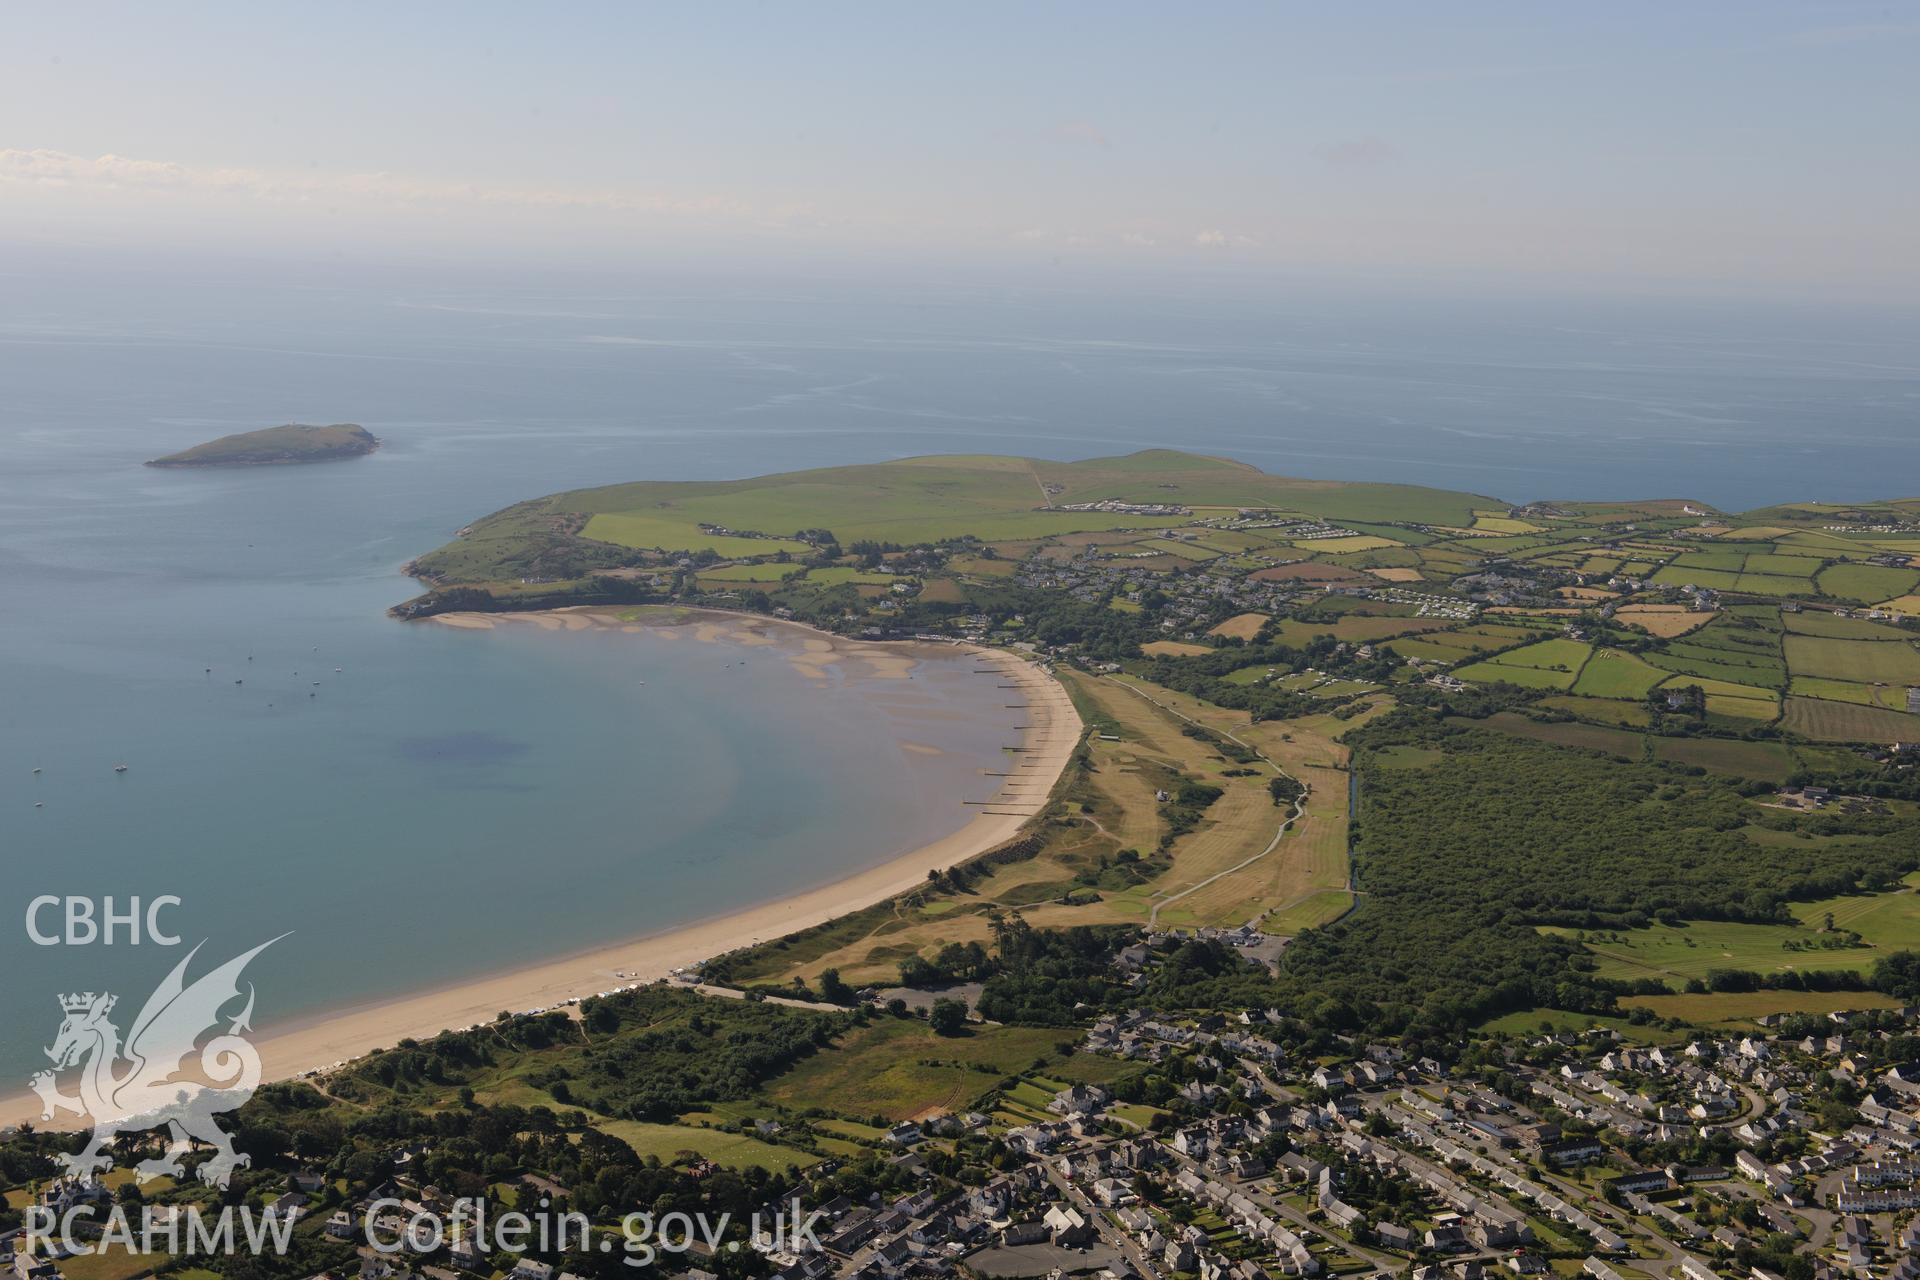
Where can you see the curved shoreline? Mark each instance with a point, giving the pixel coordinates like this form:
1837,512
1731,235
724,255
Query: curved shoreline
305,1046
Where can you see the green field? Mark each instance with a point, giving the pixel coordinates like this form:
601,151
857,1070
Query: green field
1892,697
1312,912
1005,501
1770,761
668,1141
1724,688
753,572
1675,953
898,1068
1866,583
1590,737
1558,654
1525,677
1612,674
1527,1022
1762,709
1723,1008
1716,668
628,529
1826,721
1713,579
840,575
1885,922
1628,714
1860,661
1815,623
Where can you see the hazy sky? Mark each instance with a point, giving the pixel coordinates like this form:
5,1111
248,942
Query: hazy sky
1763,146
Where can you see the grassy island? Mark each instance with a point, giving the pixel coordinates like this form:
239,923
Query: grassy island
277,446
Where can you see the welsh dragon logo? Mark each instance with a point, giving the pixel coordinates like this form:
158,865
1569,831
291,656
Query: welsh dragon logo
144,1094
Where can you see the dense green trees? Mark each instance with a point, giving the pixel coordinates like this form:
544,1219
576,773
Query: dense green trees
947,1016
1460,861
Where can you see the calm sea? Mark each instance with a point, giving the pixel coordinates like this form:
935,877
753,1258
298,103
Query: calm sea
447,803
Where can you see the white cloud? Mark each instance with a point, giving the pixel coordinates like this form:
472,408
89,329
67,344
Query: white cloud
108,173
1216,239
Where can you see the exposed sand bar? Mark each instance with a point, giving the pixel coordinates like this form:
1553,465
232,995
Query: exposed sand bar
1053,729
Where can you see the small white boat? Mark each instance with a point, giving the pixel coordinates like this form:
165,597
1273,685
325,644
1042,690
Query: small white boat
119,768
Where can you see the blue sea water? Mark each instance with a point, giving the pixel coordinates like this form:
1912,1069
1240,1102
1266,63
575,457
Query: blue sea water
448,803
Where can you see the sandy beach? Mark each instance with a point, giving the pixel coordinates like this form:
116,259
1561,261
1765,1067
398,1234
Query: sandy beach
1052,730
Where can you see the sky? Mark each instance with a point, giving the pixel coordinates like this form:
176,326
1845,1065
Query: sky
1757,146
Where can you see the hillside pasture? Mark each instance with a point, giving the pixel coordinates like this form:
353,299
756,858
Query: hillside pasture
1892,697
1860,661
1741,1009
1173,649
1866,583
1630,715
1523,677
1667,621
1610,673
656,533
1355,628
1825,721
1589,737
1765,761
899,1068
1343,546
1241,626
763,573
1814,622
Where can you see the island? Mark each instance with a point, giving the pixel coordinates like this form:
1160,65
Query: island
286,445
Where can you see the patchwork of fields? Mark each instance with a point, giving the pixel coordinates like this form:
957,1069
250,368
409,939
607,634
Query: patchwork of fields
1257,620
